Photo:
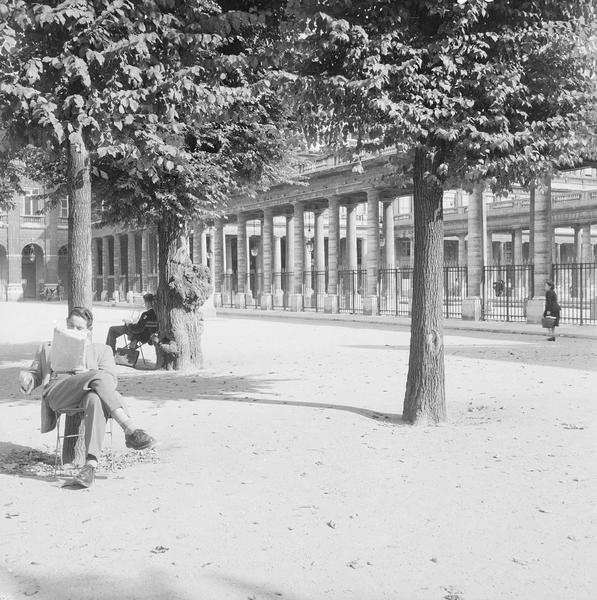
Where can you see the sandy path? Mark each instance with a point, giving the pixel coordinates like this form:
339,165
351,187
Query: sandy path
281,477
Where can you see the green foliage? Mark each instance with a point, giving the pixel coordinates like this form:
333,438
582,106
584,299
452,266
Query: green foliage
501,89
175,100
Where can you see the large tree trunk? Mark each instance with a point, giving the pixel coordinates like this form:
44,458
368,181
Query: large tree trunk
79,222
179,301
424,401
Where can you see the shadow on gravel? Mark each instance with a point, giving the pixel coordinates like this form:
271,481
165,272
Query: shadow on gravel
565,353
162,386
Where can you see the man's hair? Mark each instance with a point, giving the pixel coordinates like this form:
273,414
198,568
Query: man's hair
550,284
84,313
148,297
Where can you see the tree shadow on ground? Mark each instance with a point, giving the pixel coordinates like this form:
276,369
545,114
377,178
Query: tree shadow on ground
566,353
225,388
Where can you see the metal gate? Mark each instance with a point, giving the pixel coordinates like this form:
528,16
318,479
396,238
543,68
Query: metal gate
506,291
314,287
350,290
577,294
455,290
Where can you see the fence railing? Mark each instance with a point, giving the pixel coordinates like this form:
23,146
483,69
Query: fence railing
575,286
506,291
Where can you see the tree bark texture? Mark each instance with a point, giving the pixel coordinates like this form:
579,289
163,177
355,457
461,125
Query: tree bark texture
424,401
182,290
79,223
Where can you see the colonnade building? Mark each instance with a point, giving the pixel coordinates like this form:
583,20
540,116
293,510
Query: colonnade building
343,242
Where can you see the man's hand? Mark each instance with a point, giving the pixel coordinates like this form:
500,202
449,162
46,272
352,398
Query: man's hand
126,321
26,382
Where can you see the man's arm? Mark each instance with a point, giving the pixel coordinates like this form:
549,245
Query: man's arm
140,325
32,377
105,361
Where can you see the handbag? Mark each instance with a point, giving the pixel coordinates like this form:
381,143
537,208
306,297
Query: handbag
126,357
548,322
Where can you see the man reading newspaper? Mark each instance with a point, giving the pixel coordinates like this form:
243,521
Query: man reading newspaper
78,374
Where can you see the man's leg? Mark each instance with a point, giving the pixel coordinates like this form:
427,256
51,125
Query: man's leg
105,387
95,424
113,333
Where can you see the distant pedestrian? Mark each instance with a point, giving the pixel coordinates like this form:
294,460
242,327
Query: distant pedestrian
552,309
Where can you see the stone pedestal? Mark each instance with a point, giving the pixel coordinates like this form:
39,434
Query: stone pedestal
226,299
217,300
296,302
14,292
240,300
279,297
330,304
370,305
130,297
535,308
593,309
266,302
472,308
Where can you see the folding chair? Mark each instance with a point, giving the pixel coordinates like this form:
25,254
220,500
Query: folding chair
71,444
151,327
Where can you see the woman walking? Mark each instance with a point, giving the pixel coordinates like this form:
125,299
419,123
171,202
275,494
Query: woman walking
552,309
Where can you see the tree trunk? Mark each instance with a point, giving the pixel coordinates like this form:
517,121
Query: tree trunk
178,310
79,222
424,401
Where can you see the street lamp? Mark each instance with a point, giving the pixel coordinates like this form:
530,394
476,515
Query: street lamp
30,253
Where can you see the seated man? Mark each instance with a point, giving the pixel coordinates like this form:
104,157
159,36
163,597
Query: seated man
93,390
136,331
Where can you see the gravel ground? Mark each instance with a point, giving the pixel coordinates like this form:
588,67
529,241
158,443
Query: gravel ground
284,471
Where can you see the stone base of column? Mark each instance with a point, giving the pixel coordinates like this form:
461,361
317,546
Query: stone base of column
217,300
266,302
226,299
472,308
240,300
330,304
593,313
370,305
130,297
278,298
208,310
296,302
14,291
535,308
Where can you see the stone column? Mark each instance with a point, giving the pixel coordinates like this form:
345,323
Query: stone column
543,232
218,260
144,261
331,300
389,249
587,247
477,246
242,263
277,268
351,237
519,272
51,249
117,268
577,244
370,302
319,251
517,246
296,303
462,250
14,253
105,266
289,267
267,246
132,265
203,242
197,257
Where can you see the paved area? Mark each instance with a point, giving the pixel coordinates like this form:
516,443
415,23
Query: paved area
285,471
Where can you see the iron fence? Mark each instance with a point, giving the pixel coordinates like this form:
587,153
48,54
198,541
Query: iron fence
395,291
575,285
350,290
506,291
455,290
229,289
314,288
255,287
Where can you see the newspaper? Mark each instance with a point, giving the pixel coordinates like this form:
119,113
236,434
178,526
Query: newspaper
67,352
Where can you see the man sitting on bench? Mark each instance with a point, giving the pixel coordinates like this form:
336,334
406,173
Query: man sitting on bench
137,332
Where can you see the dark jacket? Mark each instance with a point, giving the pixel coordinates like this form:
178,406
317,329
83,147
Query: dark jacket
552,308
140,330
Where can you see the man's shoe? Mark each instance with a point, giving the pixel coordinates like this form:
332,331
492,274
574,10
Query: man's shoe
551,339
139,440
85,476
